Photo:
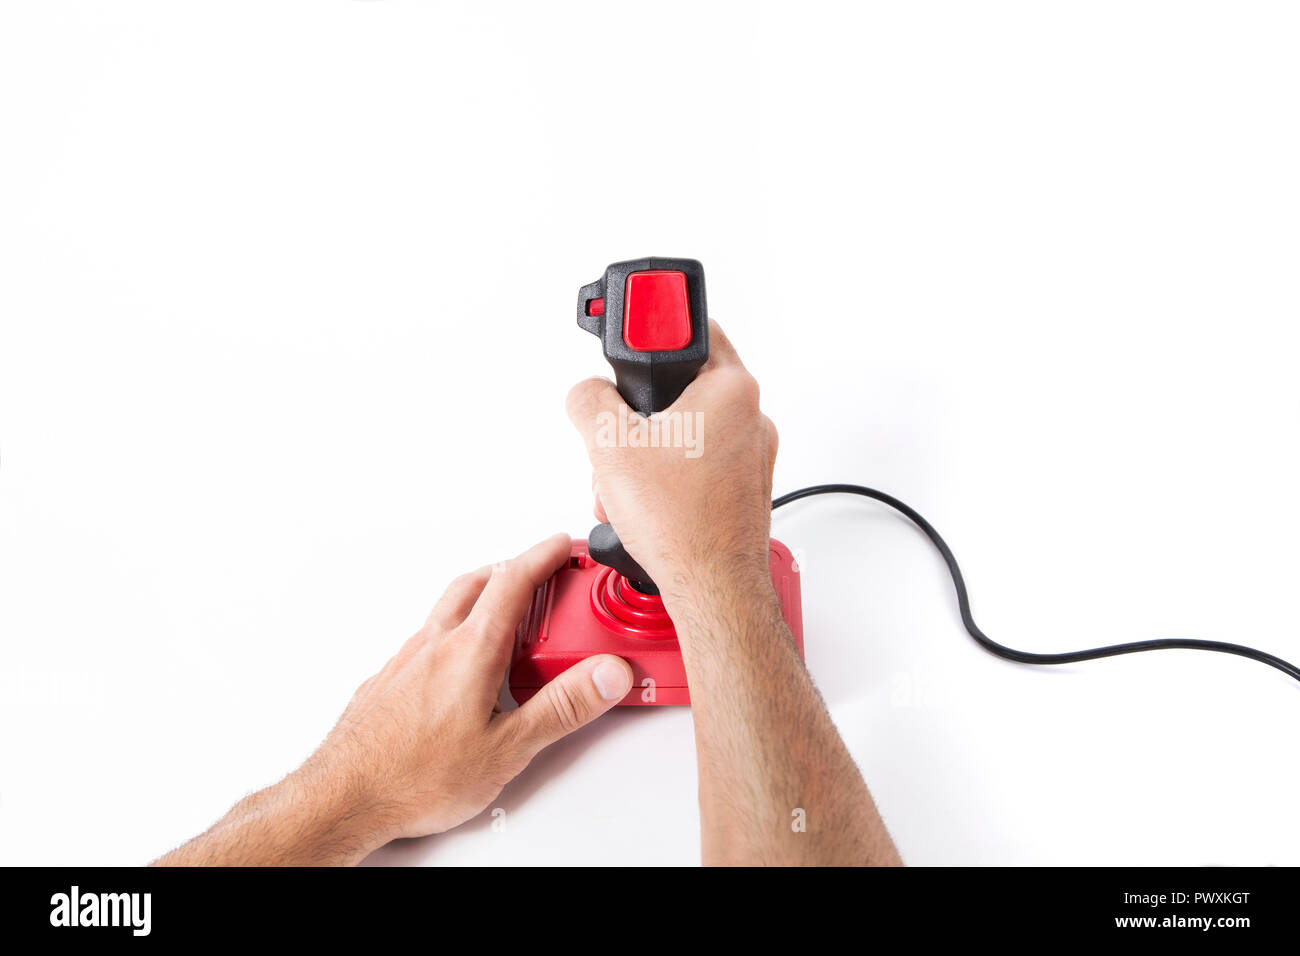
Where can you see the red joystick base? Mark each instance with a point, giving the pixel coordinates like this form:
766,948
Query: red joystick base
587,608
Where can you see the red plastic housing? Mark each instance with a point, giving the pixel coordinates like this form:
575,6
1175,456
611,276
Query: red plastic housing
587,608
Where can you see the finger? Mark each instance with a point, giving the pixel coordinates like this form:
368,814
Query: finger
575,698
722,354
508,591
598,506
458,600
587,404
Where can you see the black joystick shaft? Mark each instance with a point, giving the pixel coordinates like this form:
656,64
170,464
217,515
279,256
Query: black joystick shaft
605,548
653,324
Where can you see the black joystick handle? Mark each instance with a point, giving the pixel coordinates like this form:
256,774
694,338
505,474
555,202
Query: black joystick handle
653,324
605,548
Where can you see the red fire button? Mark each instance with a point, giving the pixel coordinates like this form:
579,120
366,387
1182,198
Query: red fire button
656,311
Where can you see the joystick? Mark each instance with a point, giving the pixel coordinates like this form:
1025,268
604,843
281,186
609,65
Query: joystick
653,324
652,320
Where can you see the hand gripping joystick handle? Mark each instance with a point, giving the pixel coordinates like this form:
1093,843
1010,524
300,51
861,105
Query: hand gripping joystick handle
653,324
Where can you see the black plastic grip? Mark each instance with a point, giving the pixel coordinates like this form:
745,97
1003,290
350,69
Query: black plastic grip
649,381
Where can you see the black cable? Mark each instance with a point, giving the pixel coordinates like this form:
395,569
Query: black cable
1011,654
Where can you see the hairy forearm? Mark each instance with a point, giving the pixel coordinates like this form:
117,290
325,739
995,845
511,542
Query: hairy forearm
304,820
777,785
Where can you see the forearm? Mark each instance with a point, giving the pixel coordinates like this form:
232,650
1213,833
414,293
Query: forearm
777,784
303,820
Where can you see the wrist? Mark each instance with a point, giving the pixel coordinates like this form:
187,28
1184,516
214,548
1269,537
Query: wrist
697,598
326,822
290,823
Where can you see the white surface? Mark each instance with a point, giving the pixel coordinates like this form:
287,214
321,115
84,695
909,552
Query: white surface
286,293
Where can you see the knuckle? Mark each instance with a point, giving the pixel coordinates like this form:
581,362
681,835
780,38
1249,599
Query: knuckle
566,706
506,571
742,388
583,394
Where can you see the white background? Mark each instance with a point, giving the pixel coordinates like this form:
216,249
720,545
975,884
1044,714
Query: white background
286,324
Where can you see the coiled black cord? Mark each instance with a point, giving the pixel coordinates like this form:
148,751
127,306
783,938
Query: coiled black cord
1011,654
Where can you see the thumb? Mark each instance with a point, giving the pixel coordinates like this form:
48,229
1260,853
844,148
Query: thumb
575,698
